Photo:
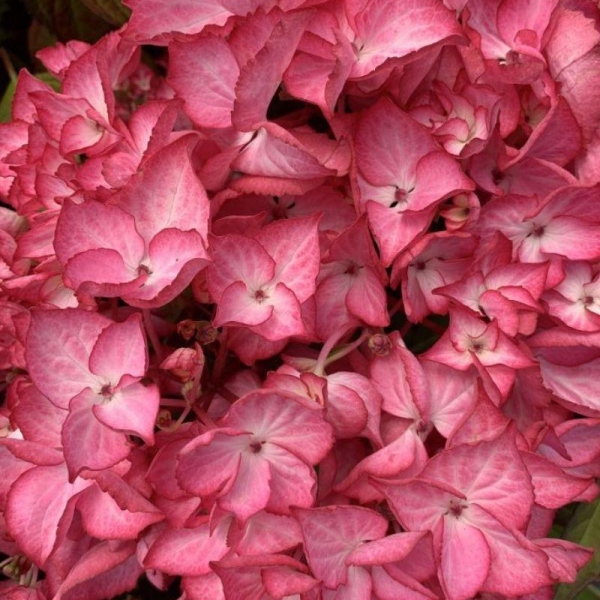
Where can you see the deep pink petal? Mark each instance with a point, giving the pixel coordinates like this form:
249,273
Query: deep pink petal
152,19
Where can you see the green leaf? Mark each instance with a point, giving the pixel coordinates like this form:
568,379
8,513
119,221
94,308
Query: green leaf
6,101
588,594
68,19
49,79
584,529
7,97
111,11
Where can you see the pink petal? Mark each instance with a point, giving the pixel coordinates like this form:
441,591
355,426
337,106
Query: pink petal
120,350
490,474
182,202
294,246
342,384
260,77
188,552
346,411
285,420
330,535
453,396
293,482
211,461
366,298
405,456
388,587
250,492
286,319
38,419
384,131
35,506
238,258
565,558
266,533
175,258
88,443
575,383
132,409
239,305
553,487
79,134
59,345
391,548
102,272
395,231
152,19
387,28
358,587
204,72
108,566
274,152
465,560
282,582
571,237
247,577
103,518
419,505
400,380
506,550
205,586
93,225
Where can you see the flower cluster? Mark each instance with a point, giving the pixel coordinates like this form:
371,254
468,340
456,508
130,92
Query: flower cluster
306,305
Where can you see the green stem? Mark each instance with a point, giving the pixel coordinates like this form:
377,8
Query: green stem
151,331
5,58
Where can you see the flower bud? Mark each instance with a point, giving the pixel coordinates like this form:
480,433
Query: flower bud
184,363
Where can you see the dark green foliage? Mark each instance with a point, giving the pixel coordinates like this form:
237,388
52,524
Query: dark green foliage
111,11
584,529
68,19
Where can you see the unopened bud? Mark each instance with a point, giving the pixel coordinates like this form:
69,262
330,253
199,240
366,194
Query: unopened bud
184,363
187,328
207,334
200,289
380,344
164,419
